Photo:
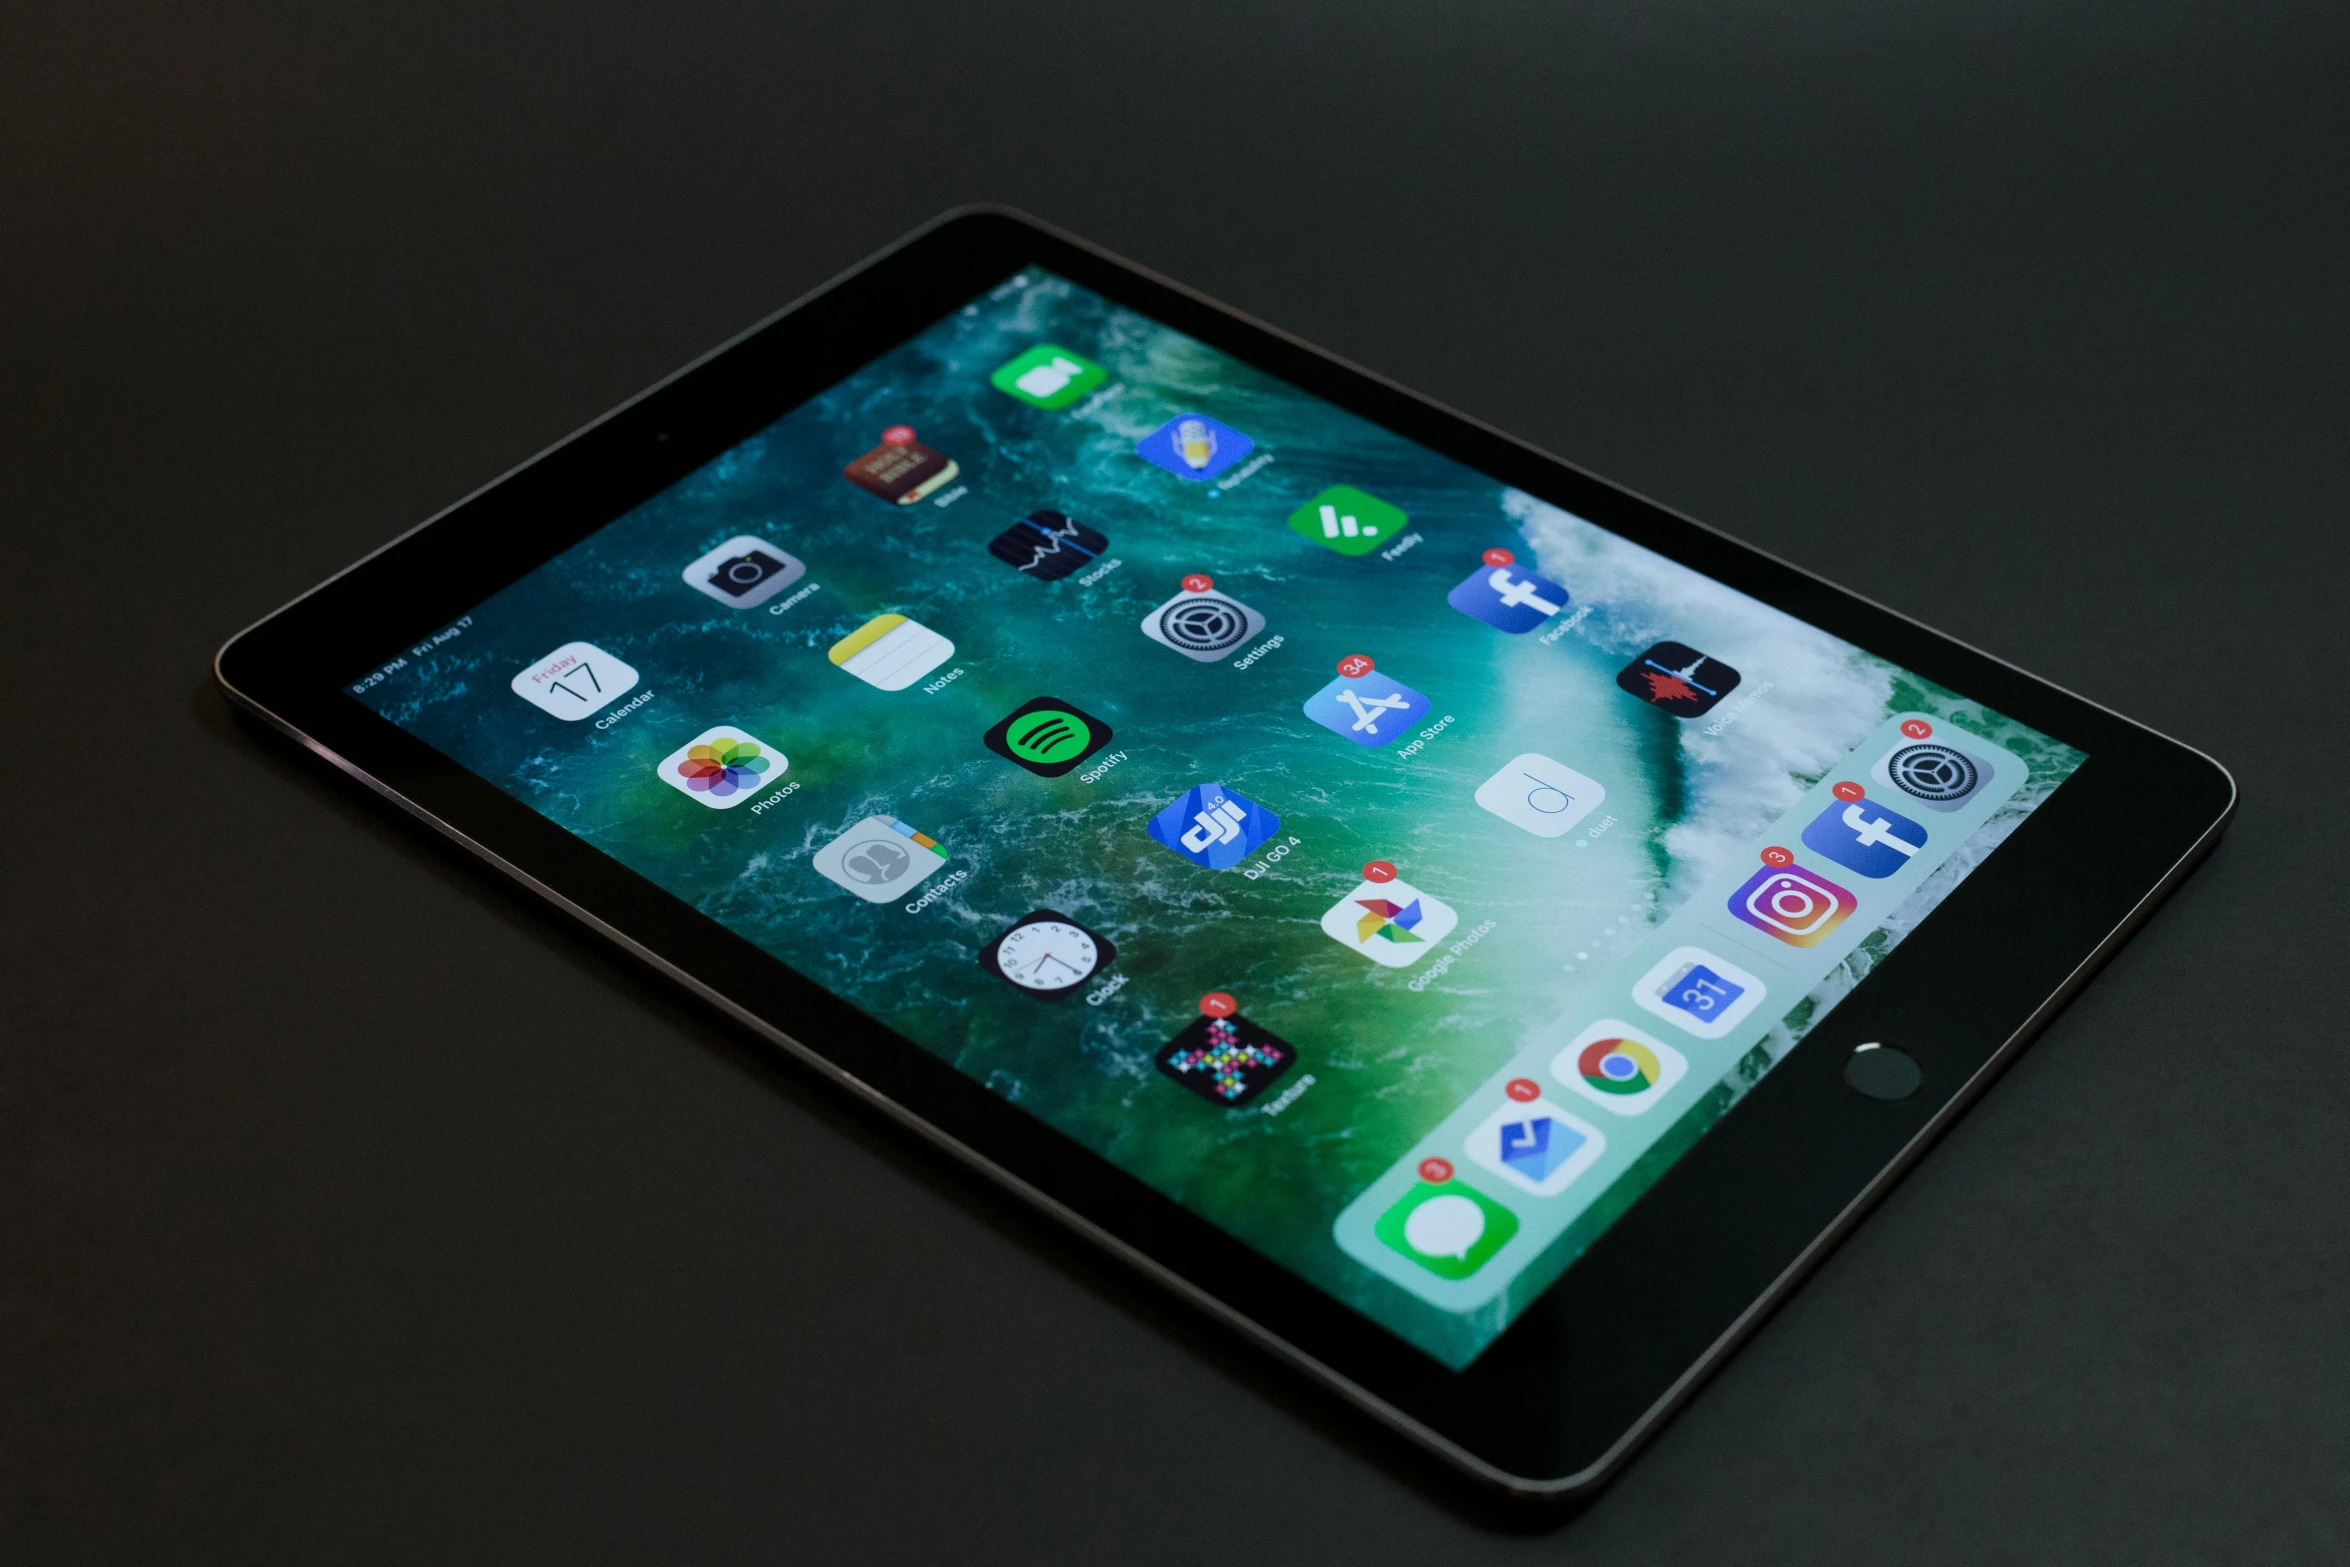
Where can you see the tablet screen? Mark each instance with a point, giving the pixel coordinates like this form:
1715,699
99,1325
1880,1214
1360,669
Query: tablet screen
1395,869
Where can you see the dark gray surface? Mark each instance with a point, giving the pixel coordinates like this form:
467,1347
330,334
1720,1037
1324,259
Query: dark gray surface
353,1209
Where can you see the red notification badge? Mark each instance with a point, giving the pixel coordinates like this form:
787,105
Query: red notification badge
1435,1171
1916,728
1848,790
1356,665
1523,1089
1777,858
1379,870
898,435
1217,1003
1500,557
1198,582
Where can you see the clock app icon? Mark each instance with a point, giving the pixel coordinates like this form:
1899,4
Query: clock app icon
1047,954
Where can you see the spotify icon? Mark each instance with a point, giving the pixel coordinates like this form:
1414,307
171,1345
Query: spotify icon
1048,736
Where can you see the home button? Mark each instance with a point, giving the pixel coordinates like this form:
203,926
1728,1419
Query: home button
1881,1072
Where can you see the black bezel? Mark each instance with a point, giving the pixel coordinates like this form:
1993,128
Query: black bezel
1556,1403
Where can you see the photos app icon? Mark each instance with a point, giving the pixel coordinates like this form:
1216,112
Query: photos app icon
722,767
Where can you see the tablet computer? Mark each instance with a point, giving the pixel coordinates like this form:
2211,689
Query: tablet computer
1475,931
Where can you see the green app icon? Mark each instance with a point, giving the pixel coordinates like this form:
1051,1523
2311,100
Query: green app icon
1049,377
1450,1229
1048,736
1348,520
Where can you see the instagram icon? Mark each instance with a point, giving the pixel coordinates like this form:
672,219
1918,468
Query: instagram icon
1799,908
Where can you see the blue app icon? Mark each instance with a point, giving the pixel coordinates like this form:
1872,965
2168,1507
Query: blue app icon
1507,598
1368,709
1538,1145
1194,447
1211,826
1863,836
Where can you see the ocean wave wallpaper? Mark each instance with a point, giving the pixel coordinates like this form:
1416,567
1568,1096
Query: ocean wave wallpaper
1040,617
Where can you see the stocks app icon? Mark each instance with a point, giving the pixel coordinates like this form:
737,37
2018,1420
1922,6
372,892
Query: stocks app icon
1047,545
1792,904
1047,736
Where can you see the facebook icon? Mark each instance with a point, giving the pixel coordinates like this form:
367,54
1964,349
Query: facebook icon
1863,836
1508,599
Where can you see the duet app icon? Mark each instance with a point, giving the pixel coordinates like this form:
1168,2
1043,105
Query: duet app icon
1798,907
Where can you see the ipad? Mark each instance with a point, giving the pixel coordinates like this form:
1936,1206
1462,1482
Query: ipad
1478,933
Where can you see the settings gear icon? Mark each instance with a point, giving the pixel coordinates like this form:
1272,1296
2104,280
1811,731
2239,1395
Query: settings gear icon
1934,772
1202,625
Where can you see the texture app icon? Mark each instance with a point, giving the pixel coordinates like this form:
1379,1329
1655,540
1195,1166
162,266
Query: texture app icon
1369,709
1508,598
722,767
1213,826
1047,545
1537,1147
1679,679
1348,520
1393,923
575,681
1939,777
1619,1068
902,469
880,858
1452,1229
1205,626
1194,447
1048,376
1227,1061
1047,736
1699,991
891,652
1545,797
744,572
1864,837
1798,907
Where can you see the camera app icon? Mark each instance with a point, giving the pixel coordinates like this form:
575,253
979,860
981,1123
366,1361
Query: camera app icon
1792,904
744,572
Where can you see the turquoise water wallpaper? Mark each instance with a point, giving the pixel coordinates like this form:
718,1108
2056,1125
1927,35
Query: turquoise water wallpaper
626,668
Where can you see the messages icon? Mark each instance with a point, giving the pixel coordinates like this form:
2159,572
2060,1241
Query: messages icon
1452,1229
